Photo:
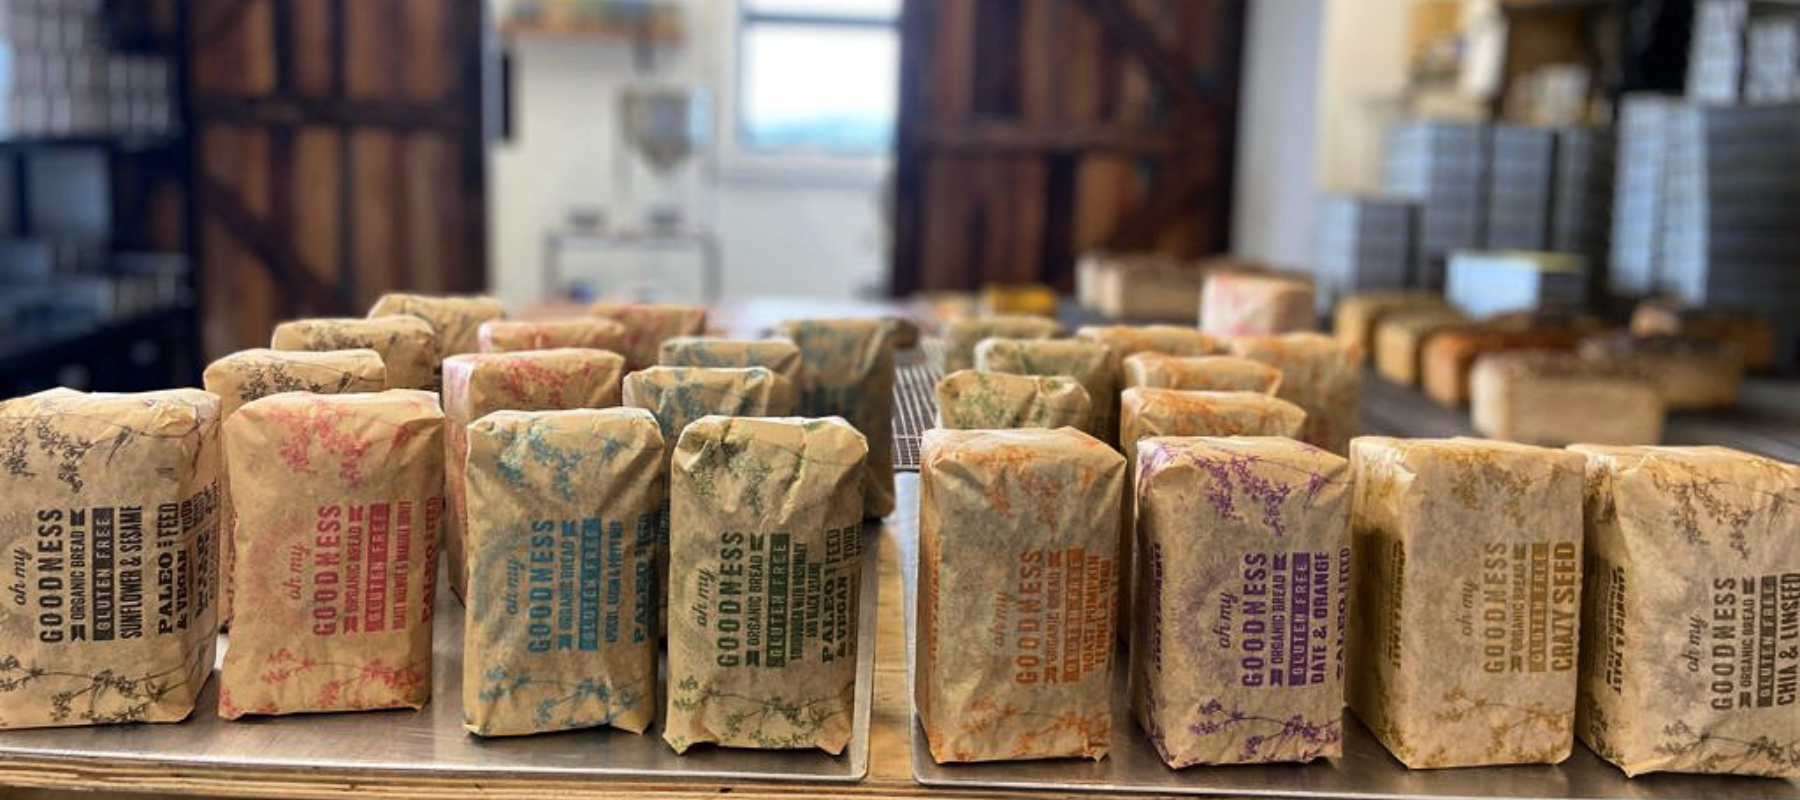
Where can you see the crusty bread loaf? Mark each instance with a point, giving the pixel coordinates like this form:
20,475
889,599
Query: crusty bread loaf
1557,398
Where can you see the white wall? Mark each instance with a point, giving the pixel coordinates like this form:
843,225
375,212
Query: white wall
1278,132
1361,80
788,226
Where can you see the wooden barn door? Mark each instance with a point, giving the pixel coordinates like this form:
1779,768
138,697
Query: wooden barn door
1032,130
339,155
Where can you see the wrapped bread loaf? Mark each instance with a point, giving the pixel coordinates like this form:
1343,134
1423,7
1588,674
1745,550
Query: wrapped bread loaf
559,633
1255,304
455,320
1242,581
974,399
1401,338
1556,398
779,356
1138,285
962,335
767,550
648,325
1749,333
338,499
1017,572
1201,373
254,374
1689,643
1090,363
476,385
1357,316
590,333
1463,647
1320,375
850,373
1175,340
407,344
111,527
1449,356
1687,373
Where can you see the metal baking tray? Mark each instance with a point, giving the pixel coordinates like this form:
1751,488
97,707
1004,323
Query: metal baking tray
1365,771
432,741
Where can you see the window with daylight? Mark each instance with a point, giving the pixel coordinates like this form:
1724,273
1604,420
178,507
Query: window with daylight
818,76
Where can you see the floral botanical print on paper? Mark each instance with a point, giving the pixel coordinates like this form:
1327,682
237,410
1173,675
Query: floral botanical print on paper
454,319
850,374
780,356
1090,363
588,333
974,399
963,335
1320,375
648,325
407,344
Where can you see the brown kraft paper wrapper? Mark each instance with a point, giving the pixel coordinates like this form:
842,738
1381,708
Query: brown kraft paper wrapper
560,633
677,396
1201,373
1690,644
1318,374
1091,363
1450,356
254,374
110,527
850,374
1016,536
1557,398
1129,340
648,325
407,345
779,356
1465,599
767,555
1243,578
1358,315
455,320
591,333
1401,337
1249,304
479,384
974,399
338,499
962,335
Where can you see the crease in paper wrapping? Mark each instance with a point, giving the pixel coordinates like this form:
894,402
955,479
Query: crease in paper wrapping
1357,316
1090,363
849,373
1129,340
1253,304
772,492
561,493
1557,398
1400,340
1689,640
1466,594
1013,524
648,325
101,490
407,344
1243,577
514,335
479,384
254,374
1201,373
338,500
1318,374
975,399
963,334
779,356
455,320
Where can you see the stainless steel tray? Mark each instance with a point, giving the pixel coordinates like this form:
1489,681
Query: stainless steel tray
432,741
1365,771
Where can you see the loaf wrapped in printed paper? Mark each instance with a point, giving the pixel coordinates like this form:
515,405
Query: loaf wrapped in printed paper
1556,398
779,356
110,528
1255,304
1318,374
407,344
1689,642
1357,316
1090,363
516,335
254,374
973,399
1401,337
1242,578
1016,596
1464,615
962,335
850,373
479,384
767,553
648,325
1201,373
1175,340
455,320
559,632
338,499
